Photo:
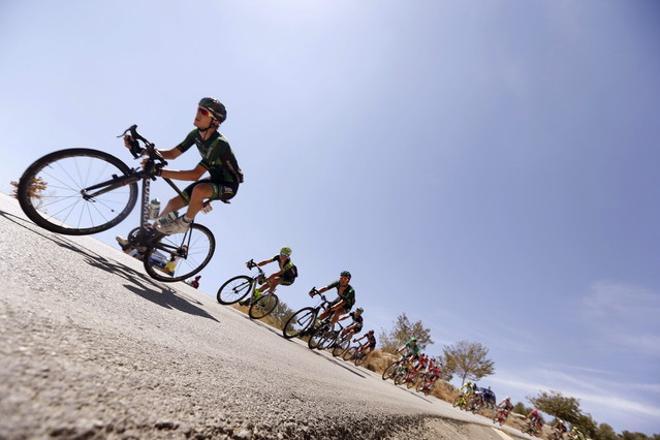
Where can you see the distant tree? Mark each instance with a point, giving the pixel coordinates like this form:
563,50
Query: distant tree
587,425
519,408
37,186
402,331
281,313
605,432
555,404
470,359
447,368
625,435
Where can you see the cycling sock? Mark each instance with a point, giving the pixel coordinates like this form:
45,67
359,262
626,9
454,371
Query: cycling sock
186,219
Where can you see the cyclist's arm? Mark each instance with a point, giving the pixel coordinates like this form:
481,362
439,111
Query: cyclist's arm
171,154
193,174
262,263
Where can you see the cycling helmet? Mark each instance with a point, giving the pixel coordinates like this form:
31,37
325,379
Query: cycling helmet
413,339
371,332
345,274
359,310
286,251
216,108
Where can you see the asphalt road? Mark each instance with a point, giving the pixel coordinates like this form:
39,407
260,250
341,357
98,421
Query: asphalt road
91,347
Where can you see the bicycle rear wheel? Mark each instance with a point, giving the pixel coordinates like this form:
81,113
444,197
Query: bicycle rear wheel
192,251
263,306
54,192
299,322
359,358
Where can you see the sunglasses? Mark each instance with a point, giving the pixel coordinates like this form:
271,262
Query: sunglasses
204,112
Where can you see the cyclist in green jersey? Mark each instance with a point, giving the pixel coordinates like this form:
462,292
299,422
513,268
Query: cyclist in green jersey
217,159
344,302
285,276
410,350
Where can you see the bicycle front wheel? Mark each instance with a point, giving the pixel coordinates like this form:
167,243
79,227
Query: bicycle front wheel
77,191
234,289
349,354
263,306
299,322
191,252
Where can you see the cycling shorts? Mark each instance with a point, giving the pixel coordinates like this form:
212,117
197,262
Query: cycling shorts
221,191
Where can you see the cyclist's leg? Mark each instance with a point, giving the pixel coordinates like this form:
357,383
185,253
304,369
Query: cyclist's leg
200,192
174,204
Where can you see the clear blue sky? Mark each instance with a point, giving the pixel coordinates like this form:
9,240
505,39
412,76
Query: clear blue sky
488,167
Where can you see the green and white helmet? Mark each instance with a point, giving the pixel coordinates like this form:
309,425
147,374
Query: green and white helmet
285,251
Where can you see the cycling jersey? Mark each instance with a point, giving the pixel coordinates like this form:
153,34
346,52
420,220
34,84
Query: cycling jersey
358,320
372,340
413,348
217,157
348,296
290,271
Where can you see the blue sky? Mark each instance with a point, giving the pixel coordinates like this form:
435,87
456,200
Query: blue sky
487,167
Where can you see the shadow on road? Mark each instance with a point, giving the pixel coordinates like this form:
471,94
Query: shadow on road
142,284
168,299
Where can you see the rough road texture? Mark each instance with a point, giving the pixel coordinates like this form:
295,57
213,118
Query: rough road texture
91,347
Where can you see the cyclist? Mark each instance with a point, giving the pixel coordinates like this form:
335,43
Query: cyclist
534,418
194,282
344,302
503,410
356,326
285,276
559,429
409,350
371,342
434,371
217,159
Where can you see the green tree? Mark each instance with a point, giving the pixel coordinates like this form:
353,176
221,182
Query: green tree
402,331
605,432
587,425
555,404
519,408
281,313
470,359
447,368
626,435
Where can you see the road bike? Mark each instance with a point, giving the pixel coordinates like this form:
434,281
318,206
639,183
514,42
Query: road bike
324,335
239,287
356,353
302,321
81,191
397,371
425,382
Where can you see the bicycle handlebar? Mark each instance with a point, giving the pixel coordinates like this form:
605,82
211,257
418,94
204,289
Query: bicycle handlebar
135,149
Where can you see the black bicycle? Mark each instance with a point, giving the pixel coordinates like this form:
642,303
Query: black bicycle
302,321
81,191
237,288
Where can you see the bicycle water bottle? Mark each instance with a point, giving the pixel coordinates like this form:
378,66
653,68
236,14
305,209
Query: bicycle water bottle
154,208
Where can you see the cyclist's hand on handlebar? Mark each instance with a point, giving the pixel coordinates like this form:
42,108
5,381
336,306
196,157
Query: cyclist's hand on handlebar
313,292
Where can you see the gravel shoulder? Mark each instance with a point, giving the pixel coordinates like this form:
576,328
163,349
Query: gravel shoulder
91,347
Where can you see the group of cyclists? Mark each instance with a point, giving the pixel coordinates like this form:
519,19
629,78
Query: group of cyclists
337,311
225,176
414,367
